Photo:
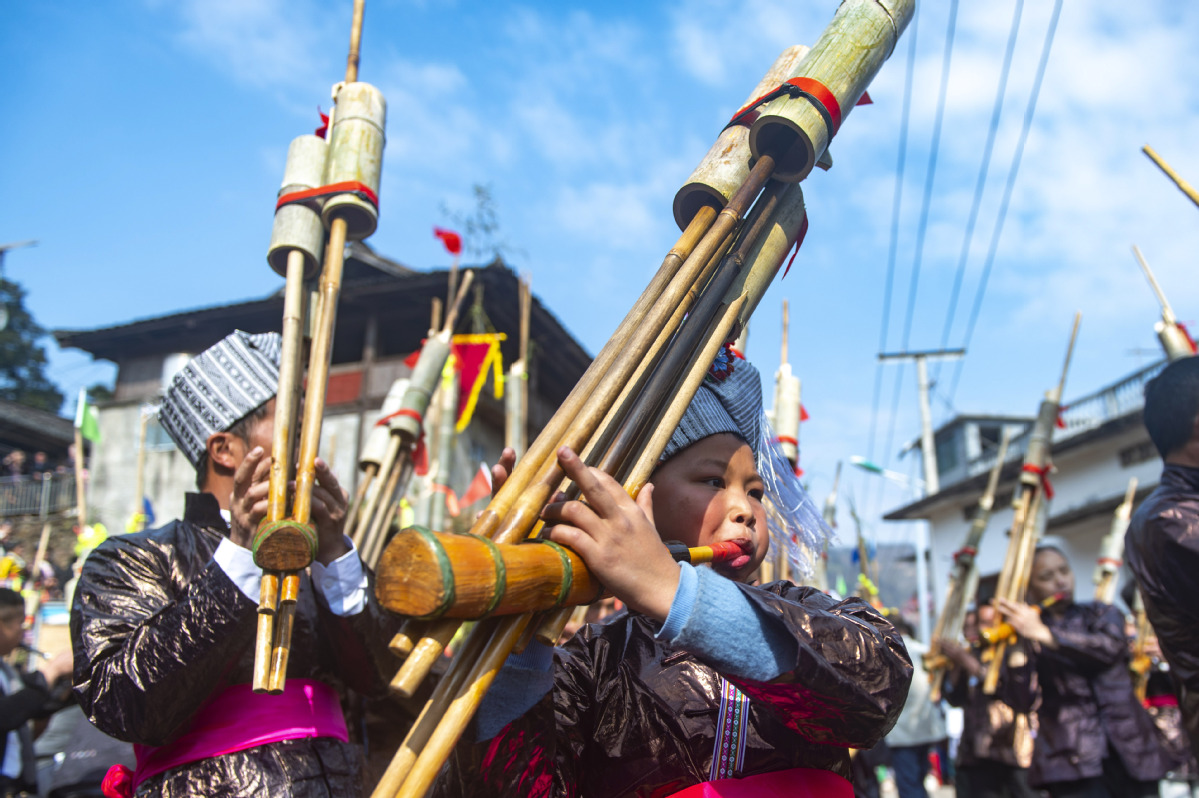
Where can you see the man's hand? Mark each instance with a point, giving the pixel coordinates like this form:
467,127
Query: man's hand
616,537
247,505
1026,621
58,668
329,503
958,655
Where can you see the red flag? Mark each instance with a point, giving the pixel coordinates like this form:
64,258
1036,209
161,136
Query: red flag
451,500
803,414
452,241
323,130
476,354
865,99
479,487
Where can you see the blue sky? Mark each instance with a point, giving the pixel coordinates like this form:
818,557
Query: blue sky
145,140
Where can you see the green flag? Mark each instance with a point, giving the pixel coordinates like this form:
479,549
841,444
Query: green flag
86,420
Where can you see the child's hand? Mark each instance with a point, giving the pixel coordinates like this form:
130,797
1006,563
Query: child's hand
616,537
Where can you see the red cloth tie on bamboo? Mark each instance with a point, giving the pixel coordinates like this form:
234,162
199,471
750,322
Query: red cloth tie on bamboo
420,455
1187,334
793,783
235,720
816,92
965,551
1043,473
1112,561
803,232
360,190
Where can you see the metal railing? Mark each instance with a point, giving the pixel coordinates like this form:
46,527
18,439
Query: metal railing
1088,413
24,495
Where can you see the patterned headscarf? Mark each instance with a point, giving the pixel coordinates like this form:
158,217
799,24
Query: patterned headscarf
728,400
219,387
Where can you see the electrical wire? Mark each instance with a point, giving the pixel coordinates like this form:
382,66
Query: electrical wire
983,169
895,215
922,227
1029,113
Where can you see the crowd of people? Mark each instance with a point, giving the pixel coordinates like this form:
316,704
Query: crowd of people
702,679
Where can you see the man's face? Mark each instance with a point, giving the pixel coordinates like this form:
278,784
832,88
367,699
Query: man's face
12,629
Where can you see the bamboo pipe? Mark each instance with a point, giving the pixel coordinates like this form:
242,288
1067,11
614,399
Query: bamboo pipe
963,580
140,505
364,485
1182,185
429,574
1111,550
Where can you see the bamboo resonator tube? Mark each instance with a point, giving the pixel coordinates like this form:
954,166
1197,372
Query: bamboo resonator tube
1111,550
425,575
1030,496
1174,339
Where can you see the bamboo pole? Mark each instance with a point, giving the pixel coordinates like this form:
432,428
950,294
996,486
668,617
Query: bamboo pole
963,580
80,485
139,507
1182,185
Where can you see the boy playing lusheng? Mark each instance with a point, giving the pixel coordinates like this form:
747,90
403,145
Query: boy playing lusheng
753,690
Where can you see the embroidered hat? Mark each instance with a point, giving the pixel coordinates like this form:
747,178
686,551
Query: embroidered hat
729,400
219,387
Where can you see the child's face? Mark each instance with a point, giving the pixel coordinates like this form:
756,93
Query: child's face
710,493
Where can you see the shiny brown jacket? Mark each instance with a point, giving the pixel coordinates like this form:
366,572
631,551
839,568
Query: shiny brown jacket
629,717
1087,703
1162,550
158,627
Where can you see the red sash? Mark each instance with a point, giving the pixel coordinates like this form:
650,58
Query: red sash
234,720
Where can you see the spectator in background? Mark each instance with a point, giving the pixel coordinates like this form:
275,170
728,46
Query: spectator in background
921,725
24,697
41,465
14,463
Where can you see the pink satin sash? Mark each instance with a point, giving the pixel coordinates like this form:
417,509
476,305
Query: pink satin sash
235,720
794,783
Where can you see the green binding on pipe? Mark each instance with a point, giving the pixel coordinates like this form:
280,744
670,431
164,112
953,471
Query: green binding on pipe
501,575
266,529
447,573
568,571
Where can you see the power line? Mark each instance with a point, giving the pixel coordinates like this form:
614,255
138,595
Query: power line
922,228
894,247
1007,191
984,167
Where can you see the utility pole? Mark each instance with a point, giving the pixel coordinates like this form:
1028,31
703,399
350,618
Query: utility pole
928,448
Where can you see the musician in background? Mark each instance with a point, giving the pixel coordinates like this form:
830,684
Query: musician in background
163,621
1162,542
1093,736
996,744
705,679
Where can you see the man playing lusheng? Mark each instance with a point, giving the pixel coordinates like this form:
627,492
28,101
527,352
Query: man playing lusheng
707,683
1162,542
163,621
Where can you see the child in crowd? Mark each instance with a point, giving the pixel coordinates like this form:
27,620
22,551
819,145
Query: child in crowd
707,685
